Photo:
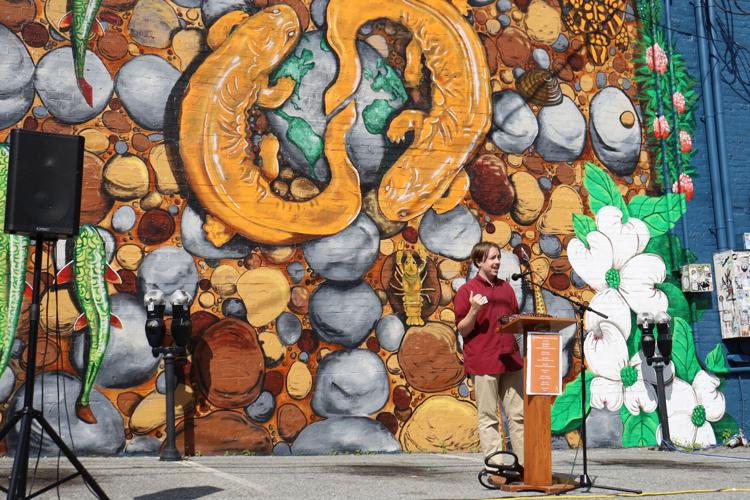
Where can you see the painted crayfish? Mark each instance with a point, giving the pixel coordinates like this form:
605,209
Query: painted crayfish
408,278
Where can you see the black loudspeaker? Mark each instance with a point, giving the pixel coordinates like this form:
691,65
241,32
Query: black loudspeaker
44,184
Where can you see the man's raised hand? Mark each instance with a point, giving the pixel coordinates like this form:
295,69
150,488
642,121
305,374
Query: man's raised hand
476,300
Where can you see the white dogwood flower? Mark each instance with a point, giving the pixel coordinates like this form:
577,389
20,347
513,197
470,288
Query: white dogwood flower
692,408
618,379
613,264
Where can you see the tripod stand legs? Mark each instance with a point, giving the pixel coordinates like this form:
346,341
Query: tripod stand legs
17,487
584,480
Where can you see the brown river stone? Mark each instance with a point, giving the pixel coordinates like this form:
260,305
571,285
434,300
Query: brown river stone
228,364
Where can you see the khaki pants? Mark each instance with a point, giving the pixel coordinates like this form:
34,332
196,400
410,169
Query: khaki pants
490,390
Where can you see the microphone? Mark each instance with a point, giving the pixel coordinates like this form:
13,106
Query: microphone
518,276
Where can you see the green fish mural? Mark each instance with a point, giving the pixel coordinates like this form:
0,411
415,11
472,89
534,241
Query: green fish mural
13,254
81,21
90,272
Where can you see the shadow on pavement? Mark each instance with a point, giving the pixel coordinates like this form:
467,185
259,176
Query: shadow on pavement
187,493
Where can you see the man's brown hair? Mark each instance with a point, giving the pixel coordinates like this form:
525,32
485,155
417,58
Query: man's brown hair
481,250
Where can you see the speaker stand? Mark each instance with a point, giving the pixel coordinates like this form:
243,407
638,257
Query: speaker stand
17,487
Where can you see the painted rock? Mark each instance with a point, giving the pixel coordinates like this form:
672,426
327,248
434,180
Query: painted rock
440,424
220,433
428,357
228,364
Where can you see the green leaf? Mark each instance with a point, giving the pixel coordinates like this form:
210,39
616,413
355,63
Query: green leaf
715,361
700,303
638,430
602,190
583,225
678,304
566,410
725,428
683,351
665,246
658,213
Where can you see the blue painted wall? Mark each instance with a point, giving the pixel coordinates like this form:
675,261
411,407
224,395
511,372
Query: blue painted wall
735,110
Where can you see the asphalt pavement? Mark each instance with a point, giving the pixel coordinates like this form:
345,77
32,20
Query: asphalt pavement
721,473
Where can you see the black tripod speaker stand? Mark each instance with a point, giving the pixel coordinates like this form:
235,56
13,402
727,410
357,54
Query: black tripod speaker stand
45,173
584,480
28,414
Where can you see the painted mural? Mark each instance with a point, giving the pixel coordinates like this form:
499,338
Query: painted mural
314,174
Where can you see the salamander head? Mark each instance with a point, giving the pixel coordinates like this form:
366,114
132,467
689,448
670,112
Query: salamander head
271,34
392,203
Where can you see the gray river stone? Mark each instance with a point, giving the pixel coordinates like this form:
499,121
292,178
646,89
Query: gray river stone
168,269
143,445
55,82
234,306
452,234
261,410
161,380
390,331
541,58
617,146
515,126
347,255
345,435
350,382
7,382
318,12
562,132
17,82
296,271
561,44
288,328
550,245
55,395
123,219
143,84
604,429
344,313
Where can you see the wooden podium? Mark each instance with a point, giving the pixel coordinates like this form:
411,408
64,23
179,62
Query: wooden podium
537,431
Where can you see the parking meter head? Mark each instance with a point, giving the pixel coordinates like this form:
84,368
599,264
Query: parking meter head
153,300
181,323
664,340
648,342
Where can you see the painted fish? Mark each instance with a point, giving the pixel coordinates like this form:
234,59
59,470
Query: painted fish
13,253
90,272
82,19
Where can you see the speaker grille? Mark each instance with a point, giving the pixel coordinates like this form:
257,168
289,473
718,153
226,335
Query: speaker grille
44,184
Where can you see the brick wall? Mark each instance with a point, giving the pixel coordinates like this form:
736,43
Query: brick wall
701,236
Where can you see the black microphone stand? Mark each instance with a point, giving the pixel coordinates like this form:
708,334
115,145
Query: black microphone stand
584,480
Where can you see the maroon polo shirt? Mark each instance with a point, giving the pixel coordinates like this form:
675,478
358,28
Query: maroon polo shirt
485,351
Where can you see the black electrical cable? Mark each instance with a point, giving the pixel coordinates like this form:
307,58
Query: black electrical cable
58,369
41,391
64,386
